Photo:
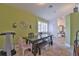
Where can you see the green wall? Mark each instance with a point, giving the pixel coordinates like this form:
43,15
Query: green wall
10,15
73,24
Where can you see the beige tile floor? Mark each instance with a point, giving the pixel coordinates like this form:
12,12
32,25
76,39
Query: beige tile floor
58,49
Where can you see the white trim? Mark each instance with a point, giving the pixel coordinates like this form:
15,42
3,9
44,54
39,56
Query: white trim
67,45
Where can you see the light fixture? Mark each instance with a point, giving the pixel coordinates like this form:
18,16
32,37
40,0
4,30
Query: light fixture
75,8
50,6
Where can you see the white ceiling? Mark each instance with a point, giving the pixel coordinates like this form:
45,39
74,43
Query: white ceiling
43,10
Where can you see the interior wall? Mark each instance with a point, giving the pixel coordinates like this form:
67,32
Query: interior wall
53,27
23,19
74,26
61,21
67,31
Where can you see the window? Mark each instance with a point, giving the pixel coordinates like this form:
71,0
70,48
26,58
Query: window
42,26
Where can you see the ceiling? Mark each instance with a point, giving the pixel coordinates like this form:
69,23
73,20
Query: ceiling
47,11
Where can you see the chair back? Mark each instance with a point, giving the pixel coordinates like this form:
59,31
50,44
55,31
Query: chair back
30,35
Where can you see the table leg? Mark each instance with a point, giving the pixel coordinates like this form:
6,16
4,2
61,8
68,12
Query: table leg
39,51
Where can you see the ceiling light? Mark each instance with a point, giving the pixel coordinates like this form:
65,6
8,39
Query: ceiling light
50,6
